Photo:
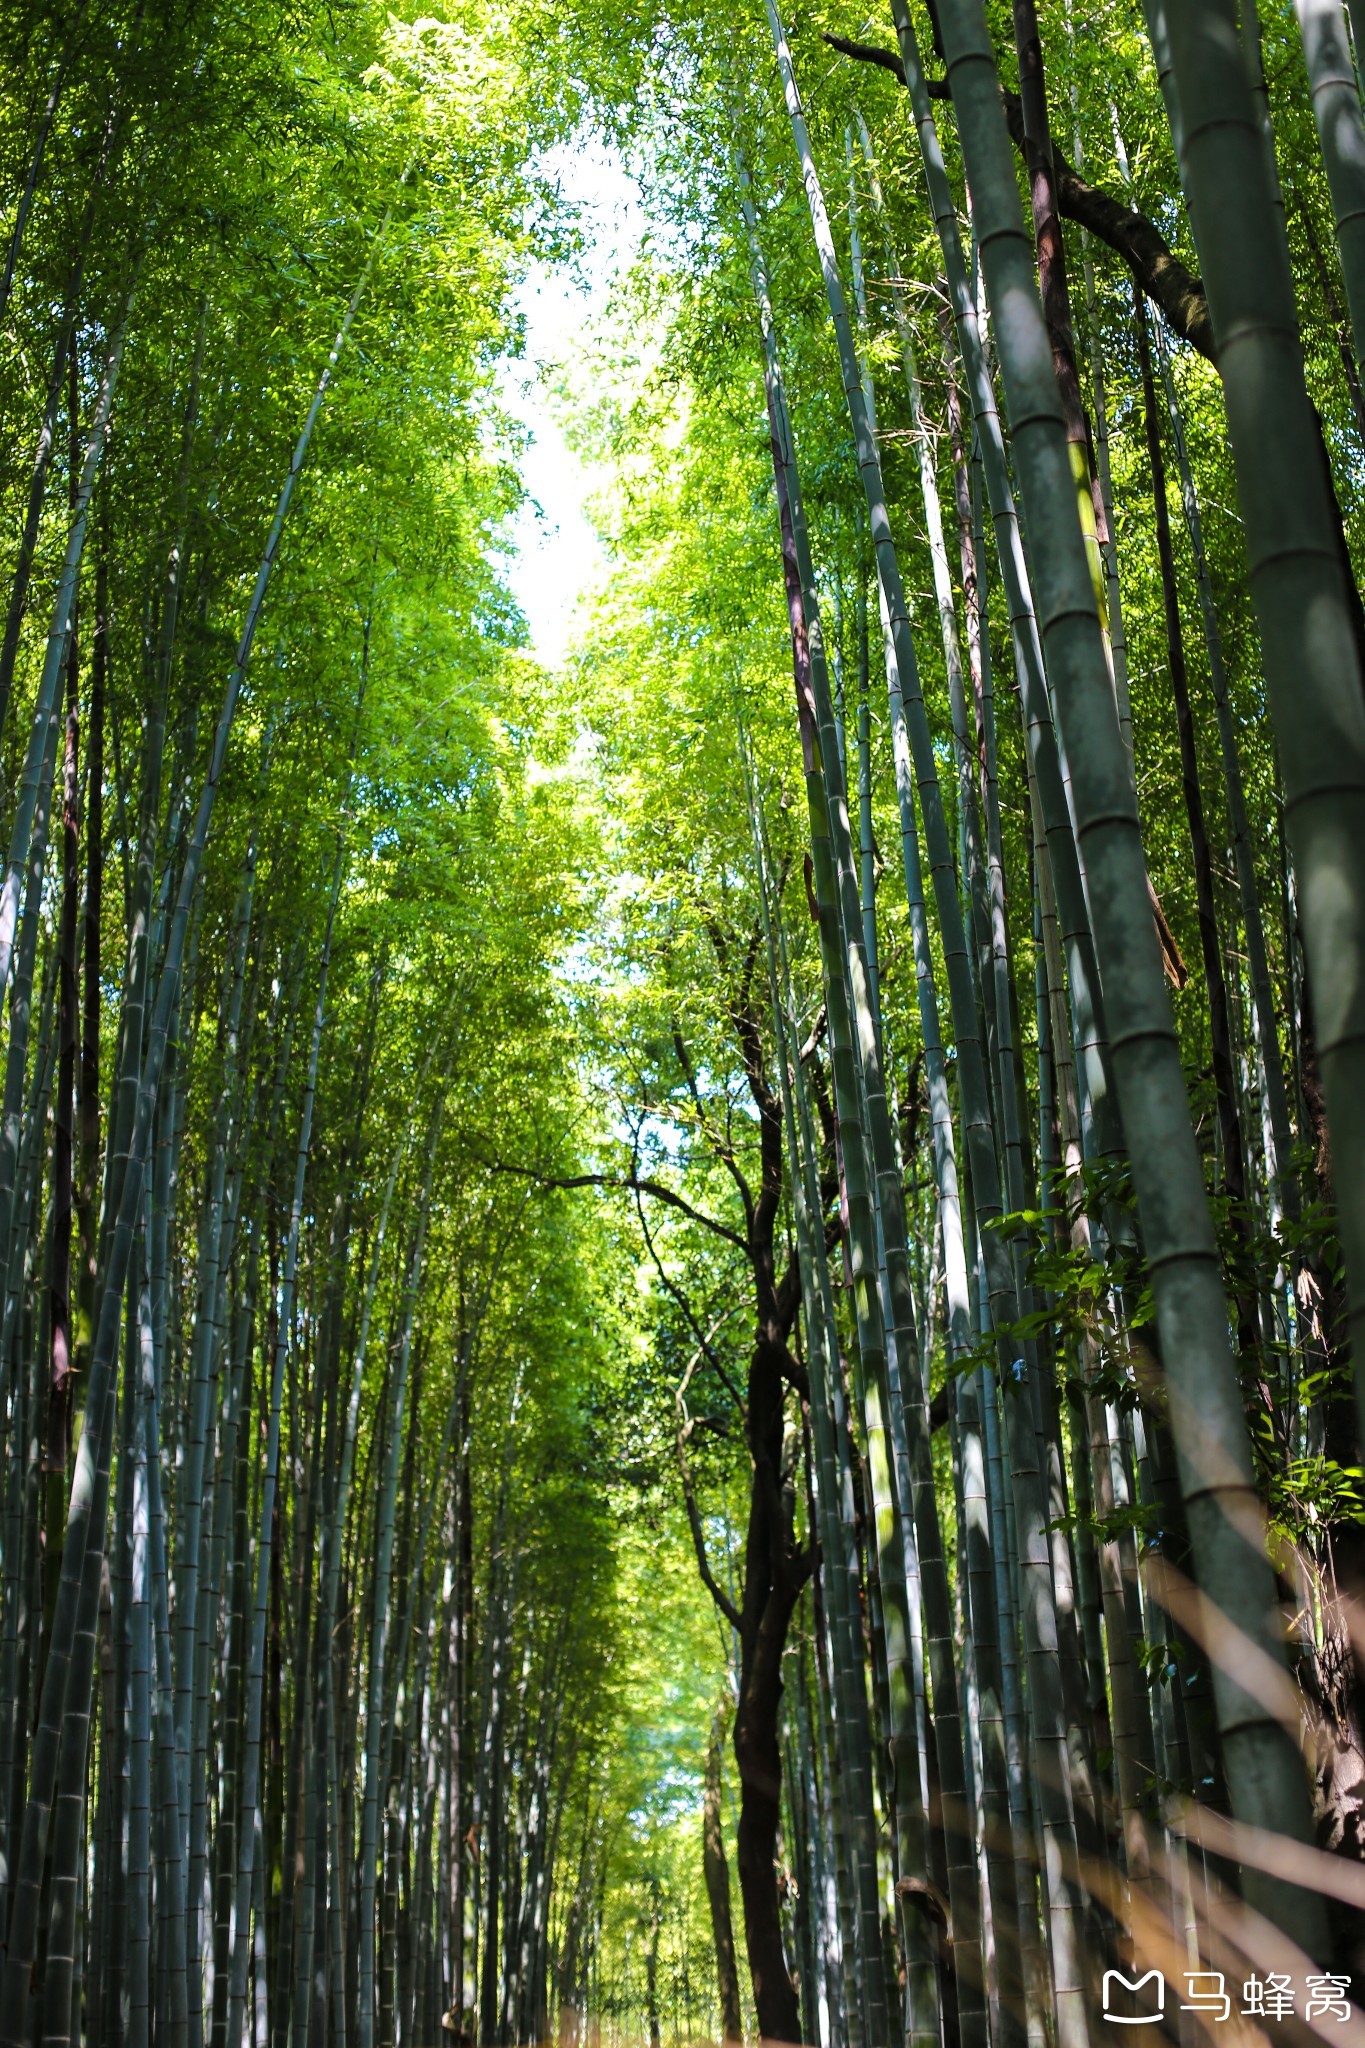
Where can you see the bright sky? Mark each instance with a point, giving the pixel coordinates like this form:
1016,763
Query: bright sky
558,554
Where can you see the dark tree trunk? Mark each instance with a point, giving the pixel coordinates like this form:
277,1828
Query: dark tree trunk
717,1874
775,1568
771,1587
57,1447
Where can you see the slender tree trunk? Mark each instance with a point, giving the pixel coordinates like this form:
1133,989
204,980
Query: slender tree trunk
266,1548
717,1875
59,1393
1215,982
374,1713
88,1103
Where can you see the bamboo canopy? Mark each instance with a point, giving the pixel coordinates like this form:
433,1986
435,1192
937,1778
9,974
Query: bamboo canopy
682,1107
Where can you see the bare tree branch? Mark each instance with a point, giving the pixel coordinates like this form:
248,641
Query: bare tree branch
1169,284
706,1349
684,1430
625,1183
708,1578
721,1146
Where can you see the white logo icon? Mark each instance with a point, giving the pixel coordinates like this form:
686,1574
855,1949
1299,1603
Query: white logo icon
1116,1979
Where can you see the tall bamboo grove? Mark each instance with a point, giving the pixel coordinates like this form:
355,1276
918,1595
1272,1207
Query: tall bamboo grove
681,1305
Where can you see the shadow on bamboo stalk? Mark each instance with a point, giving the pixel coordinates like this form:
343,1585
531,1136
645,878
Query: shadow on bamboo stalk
1227,1967
1219,1957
